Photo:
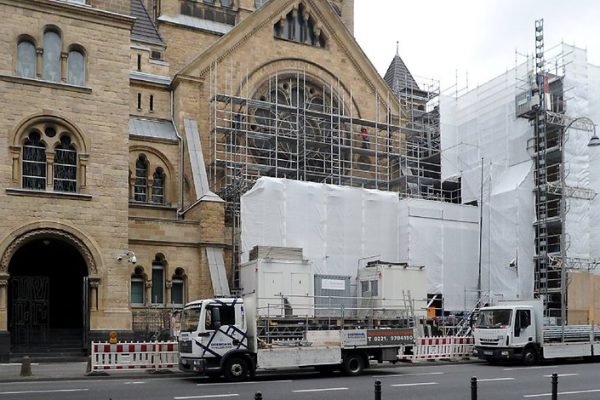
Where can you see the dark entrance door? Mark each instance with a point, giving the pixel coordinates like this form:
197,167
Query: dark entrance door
47,310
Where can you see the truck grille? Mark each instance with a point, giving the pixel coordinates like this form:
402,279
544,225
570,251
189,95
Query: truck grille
489,342
185,346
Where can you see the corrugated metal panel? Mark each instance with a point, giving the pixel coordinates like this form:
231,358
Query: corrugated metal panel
216,266
154,129
333,293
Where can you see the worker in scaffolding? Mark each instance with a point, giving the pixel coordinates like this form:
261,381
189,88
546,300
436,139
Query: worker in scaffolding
364,135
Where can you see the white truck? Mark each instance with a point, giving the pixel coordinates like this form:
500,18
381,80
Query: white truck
231,337
515,330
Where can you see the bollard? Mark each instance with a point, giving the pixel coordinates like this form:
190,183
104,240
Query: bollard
554,386
474,388
377,390
258,396
26,366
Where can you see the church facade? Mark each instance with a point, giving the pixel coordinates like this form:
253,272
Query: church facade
129,129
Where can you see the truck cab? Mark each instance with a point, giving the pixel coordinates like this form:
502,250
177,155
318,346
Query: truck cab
507,332
213,338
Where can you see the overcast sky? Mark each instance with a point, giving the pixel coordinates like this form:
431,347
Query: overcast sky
437,38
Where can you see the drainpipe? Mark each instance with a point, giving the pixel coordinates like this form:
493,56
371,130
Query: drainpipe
180,139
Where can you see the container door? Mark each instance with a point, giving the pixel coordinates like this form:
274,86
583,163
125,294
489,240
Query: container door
302,300
272,302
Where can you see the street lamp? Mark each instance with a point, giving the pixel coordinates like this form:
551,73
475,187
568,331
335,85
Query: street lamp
593,142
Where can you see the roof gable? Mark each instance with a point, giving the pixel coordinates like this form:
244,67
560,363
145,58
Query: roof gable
327,21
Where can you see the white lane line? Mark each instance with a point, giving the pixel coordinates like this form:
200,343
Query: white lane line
495,379
518,368
417,374
550,376
15,364
319,390
415,384
562,393
46,391
134,383
206,396
243,383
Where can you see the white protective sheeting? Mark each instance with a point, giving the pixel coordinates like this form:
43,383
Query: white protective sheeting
486,145
341,228
481,124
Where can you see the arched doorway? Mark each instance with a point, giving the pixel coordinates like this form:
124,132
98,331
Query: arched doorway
47,298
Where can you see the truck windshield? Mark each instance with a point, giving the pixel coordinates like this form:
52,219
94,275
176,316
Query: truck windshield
492,319
190,318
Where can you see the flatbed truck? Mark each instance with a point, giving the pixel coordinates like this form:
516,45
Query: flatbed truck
229,337
515,330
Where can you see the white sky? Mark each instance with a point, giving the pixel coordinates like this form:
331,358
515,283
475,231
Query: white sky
441,39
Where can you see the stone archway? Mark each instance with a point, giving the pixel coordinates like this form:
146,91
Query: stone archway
49,274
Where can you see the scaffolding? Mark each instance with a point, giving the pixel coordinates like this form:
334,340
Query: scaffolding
543,102
295,126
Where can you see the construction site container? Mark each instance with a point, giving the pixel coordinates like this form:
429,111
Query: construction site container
333,296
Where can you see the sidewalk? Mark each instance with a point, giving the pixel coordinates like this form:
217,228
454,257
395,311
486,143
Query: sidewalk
10,372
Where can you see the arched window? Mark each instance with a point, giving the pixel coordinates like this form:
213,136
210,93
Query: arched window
299,26
65,166
34,162
178,287
51,58
158,280
140,189
76,68
158,186
138,279
26,59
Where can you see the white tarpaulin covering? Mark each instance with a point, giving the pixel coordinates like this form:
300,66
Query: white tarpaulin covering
341,228
482,137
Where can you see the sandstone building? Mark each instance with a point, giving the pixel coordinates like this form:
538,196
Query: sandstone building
129,129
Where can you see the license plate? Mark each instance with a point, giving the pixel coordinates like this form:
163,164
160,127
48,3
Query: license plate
487,353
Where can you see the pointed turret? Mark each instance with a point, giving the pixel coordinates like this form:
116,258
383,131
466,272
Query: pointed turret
398,77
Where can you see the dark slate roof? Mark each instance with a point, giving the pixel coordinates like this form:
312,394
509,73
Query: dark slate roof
399,78
144,29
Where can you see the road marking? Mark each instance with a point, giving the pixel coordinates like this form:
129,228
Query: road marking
133,383
419,374
243,383
414,384
207,396
562,393
517,368
319,390
550,376
46,391
495,379
15,364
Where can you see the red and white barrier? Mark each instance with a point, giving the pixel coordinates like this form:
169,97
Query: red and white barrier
149,355
440,348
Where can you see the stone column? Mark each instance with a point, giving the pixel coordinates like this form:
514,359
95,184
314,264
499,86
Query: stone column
168,285
83,161
63,66
15,152
39,62
50,170
93,282
3,301
148,296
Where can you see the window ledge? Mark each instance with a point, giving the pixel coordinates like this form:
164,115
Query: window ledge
51,194
42,83
133,203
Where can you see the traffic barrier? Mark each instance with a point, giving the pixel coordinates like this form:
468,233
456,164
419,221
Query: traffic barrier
129,355
440,348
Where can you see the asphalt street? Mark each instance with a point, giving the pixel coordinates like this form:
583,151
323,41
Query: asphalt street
577,381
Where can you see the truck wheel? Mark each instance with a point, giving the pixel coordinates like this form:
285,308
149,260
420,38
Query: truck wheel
529,356
353,364
236,369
